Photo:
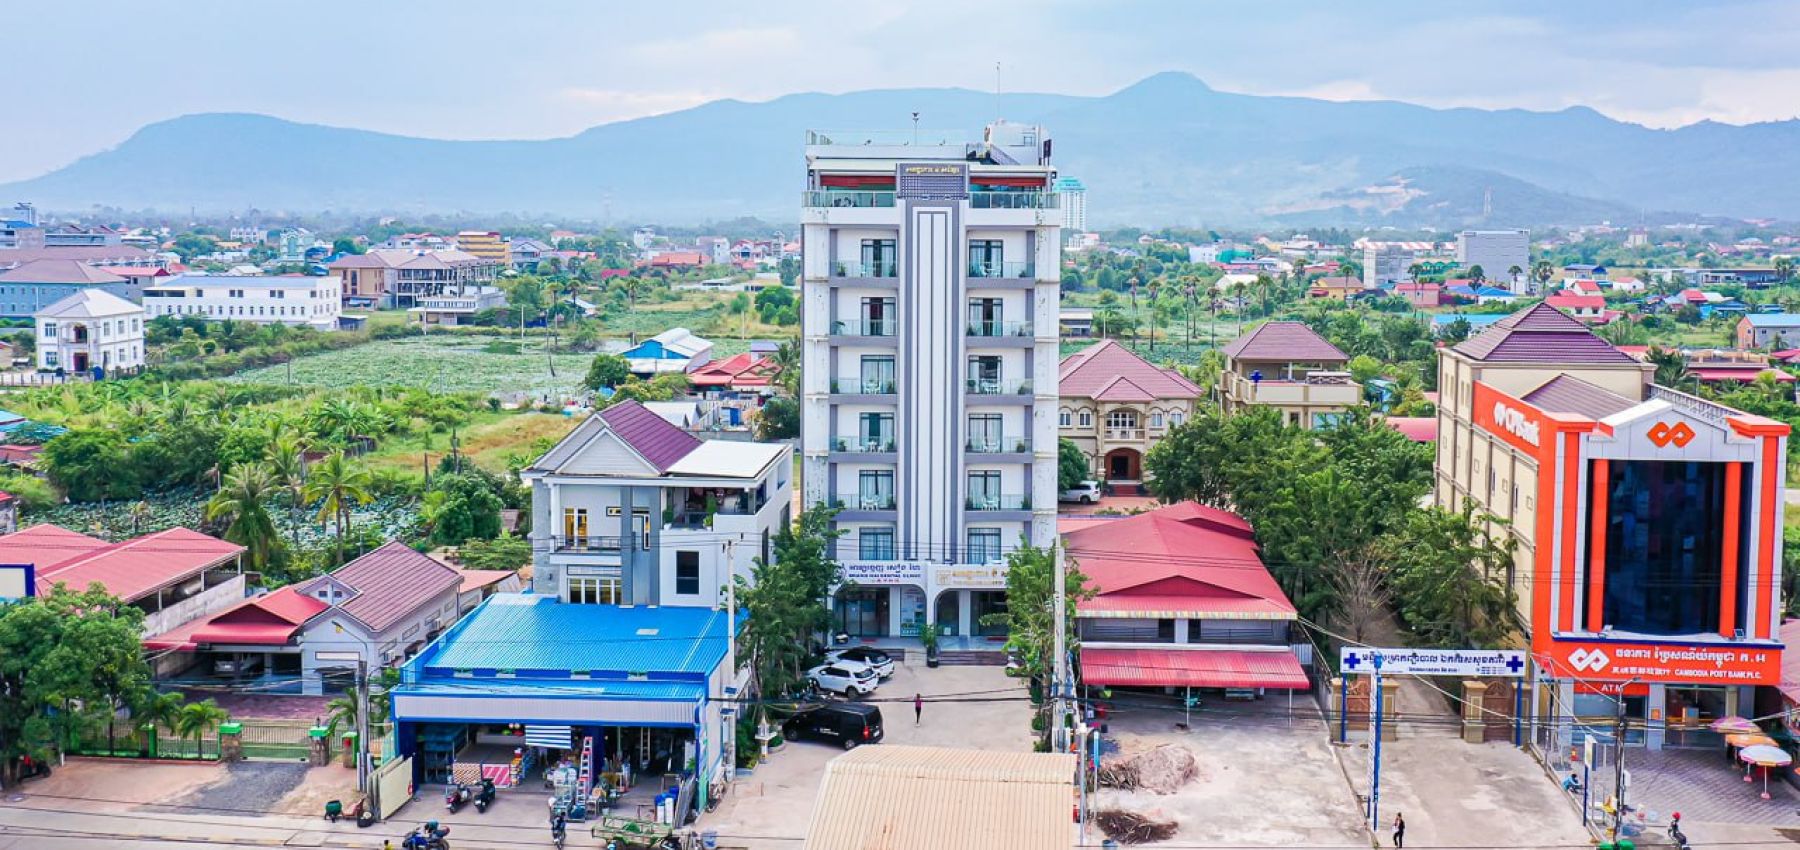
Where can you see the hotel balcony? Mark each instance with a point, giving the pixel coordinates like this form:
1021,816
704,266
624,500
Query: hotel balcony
863,391
1001,334
866,332
586,544
982,391
1017,269
1320,389
863,450
999,508
997,450
884,271
874,507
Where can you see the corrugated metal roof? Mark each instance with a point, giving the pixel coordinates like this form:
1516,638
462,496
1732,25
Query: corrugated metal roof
904,798
1540,334
134,568
1194,668
391,583
1096,368
1287,342
585,689
522,631
46,545
651,436
58,271
1569,394
1419,429
1182,550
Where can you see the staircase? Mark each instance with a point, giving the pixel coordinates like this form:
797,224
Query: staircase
972,657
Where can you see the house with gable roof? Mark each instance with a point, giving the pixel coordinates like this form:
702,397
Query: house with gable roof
1287,365
1116,405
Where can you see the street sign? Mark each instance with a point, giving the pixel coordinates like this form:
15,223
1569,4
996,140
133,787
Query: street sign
1432,662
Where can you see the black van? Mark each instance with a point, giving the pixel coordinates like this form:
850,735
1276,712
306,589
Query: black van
848,723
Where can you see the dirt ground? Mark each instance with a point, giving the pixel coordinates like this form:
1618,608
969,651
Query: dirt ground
1264,779
975,708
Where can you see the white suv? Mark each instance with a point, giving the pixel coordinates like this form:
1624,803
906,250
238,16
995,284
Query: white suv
1087,493
843,679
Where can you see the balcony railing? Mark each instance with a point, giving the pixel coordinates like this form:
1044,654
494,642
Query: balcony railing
855,445
865,386
982,386
586,543
866,327
874,502
998,503
1015,200
999,329
846,198
997,445
1016,269
885,268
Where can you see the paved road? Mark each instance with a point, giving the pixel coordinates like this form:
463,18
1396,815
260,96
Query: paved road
29,824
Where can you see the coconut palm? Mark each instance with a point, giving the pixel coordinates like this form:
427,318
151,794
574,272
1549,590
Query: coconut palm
158,710
198,718
240,503
1513,272
1784,269
342,712
336,484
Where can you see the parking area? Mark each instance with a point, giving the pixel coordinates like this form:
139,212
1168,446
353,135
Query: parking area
975,707
1454,793
1264,778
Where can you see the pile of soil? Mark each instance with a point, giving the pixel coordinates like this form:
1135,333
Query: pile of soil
1163,769
1134,827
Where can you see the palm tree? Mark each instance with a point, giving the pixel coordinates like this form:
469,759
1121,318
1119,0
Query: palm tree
198,718
240,503
787,365
287,463
1542,272
1784,269
1514,272
1415,271
342,712
337,484
1478,274
1237,291
162,710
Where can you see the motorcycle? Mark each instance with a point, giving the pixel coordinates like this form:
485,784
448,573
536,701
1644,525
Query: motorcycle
559,830
429,836
486,797
455,797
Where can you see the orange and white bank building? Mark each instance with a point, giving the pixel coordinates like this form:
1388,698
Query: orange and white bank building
1647,521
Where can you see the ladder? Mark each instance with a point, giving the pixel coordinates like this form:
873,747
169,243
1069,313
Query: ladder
644,748
584,780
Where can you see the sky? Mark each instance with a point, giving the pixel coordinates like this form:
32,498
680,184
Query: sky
86,75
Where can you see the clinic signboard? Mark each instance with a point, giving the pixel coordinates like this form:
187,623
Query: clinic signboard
1404,661
883,573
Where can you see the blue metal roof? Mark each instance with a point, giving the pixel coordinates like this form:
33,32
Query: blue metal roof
558,689
526,633
1773,320
1475,320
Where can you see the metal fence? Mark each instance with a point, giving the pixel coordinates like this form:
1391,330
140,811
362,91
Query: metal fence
276,740
127,740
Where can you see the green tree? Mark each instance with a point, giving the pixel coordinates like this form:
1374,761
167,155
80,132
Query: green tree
1477,274
505,552
240,503
776,305
461,507
1784,268
1030,615
1071,465
337,485
58,651
1448,571
786,603
779,419
90,464
197,719
608,370
786,360
345,245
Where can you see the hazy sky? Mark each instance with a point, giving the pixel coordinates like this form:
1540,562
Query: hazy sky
83,75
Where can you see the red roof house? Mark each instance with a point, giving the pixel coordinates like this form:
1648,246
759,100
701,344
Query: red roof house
1420,294
1419,429
1108,371
1170,585
174,575
742,372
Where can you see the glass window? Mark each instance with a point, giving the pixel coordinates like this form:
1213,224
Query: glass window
984,433
586,590
984,489
1122,419
1062,418
875,544
878,257
1156,420
687,573
875,489
984,545
50,329
877,373
986,257
876,431
575,526
1175,420
1087,419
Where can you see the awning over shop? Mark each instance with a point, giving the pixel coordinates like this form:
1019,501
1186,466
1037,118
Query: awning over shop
1197,667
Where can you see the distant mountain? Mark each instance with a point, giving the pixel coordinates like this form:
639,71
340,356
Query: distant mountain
1168,150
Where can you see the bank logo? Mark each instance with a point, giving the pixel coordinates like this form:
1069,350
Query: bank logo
1515,423
1586,660
1662,434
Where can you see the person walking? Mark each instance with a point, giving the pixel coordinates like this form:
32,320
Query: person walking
1399,830
918,708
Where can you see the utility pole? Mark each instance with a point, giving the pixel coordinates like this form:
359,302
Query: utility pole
1619,763
362,724
731,690
1059,675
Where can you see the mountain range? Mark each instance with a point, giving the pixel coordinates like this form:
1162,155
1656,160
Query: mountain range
1168,150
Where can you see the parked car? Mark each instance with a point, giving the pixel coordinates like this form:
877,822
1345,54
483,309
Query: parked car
849,723
868,656
1086,493
844,679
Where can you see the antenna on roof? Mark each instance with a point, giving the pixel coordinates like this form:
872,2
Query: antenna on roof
996,91
915,128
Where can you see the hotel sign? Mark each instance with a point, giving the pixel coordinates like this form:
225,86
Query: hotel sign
1508,418
937,181
1698,664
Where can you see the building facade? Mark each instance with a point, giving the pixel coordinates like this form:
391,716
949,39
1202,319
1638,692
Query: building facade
1768,330
1288,366
930,325
486,244
1385,263
1497,251
91,329
35,285
1116,406
1074,204
1647,526
288,300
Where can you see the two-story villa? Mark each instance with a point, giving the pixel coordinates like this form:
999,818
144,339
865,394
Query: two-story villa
1117,405
1287,365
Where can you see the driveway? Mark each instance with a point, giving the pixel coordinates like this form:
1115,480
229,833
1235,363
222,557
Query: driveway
976,708
1469,795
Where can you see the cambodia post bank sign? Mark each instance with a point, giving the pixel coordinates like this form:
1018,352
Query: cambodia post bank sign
1683,663
1509,419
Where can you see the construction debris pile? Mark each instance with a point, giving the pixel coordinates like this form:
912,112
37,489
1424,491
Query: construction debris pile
1162,769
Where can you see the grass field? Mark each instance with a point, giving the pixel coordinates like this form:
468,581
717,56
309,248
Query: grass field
493,440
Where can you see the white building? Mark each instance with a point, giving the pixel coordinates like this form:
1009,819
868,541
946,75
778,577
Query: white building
1074,204
1495,251
930,344
629,509
288,299
1386,262
91,328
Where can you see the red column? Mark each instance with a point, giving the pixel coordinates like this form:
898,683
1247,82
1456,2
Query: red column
1771,469
1734,528
1598,503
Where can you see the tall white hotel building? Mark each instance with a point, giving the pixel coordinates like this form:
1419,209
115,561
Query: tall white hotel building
931,295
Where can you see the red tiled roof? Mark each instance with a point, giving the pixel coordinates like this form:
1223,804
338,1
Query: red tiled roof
132,569
1184,557
1569,394
1196,668
1540,334
1287,342
268,620
1419,429
736,370
655,438
477,579
390,583
1098,368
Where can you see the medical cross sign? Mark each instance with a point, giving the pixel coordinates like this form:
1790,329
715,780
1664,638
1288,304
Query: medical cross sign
1432,662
